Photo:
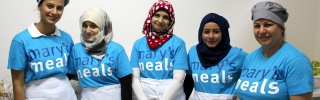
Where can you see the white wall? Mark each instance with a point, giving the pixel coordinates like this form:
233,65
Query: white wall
128,17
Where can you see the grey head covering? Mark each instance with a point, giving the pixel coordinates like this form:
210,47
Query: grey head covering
271,11
97,45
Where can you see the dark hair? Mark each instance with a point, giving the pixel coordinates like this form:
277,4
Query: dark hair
41,1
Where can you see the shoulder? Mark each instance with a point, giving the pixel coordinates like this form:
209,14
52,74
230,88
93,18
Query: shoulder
239,50
176,39
22,35
290,52
64,34
78,45
140,40
287,47
193,48
114,45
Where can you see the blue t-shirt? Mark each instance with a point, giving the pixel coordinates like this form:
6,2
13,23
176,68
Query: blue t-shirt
40,57
288,72
159,63
218,79
92,72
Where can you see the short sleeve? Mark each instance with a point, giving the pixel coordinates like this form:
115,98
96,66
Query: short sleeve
134,62
17,56
180,58
123,68
299,77
71,64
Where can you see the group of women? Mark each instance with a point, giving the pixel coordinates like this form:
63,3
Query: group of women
160,68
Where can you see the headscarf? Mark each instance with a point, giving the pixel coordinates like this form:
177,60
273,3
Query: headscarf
212,56
156,39
96,46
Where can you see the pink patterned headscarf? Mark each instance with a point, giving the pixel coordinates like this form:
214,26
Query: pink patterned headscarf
156,39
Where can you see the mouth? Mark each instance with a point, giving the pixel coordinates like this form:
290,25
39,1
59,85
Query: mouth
264,38
159,25
53,18
211,42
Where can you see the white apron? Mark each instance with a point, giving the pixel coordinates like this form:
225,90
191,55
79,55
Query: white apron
206,96
154,89
53,88
111,92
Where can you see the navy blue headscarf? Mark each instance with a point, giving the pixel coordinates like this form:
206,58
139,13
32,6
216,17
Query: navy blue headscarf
212,56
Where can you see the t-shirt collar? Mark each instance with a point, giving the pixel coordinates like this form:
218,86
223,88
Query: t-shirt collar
34,32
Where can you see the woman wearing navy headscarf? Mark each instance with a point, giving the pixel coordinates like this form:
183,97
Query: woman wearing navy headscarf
214,64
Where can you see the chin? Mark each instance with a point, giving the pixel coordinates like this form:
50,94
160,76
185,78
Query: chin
211,46
52,22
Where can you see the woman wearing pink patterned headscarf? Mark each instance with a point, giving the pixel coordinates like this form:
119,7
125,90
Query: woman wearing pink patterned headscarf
159,59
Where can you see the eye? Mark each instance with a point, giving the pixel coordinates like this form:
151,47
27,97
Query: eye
156,15
49,5
60,8
268,25
206,31
166,17
84,25
256,26
93,26
216,31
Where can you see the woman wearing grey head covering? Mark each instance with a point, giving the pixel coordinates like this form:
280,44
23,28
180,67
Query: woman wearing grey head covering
38,57
102,65
277,70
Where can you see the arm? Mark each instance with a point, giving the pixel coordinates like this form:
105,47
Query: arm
18,84
126,89
306,96
175,85
136,85
188,85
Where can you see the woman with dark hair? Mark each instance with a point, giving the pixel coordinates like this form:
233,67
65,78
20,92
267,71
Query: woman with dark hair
276,70
38,57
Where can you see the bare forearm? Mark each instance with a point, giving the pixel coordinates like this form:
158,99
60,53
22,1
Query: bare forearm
19,93
18,85
306,96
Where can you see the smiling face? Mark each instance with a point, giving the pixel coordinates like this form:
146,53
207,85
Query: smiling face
268,33
211,34
160,21
90,29
51,11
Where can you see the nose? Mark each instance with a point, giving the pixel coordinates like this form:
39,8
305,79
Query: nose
54,11
160,20
87,30
262,30
211,35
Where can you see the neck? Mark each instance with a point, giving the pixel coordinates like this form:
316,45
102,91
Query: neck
269,51
46,29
